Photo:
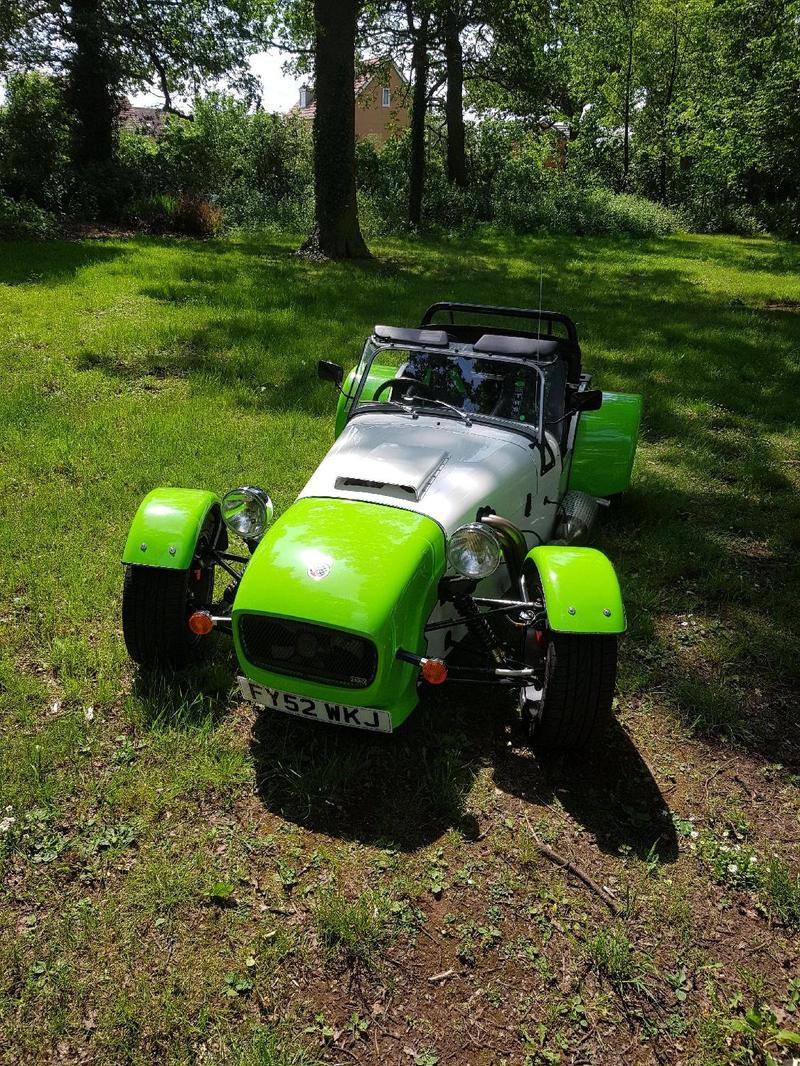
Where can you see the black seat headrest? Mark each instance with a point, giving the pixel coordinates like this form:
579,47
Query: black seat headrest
525,347
429,338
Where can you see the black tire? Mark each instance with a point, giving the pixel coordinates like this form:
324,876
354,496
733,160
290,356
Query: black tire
580,671
615,512
156,605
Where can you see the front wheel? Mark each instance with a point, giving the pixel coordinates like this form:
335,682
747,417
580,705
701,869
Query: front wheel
156,604
578,691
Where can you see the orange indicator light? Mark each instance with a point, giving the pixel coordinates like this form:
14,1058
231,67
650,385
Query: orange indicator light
201,623
433,671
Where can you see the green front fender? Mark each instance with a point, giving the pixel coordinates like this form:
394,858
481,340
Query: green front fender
167,526
581,591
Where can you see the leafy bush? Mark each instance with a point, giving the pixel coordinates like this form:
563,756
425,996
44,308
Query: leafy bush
202,156
532,194
21,219
382,179
139,166
194,216
34,138
155,214
256,171
383,191
256,168
448,207
782,219
713,215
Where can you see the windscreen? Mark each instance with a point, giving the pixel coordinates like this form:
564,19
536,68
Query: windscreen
493,388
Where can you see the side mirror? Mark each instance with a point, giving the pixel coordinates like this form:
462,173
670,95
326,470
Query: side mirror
327,371
589,400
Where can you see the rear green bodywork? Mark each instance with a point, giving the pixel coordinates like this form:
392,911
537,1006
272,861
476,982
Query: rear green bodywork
377,375
165,529
605,445
385,565
581,590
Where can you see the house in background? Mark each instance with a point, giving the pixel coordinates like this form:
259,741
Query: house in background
381,102
149,120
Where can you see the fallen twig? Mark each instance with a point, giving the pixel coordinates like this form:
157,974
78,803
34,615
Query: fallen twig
575,870
717,770
443,976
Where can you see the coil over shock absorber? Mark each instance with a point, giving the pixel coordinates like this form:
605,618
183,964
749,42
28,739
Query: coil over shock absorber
479,626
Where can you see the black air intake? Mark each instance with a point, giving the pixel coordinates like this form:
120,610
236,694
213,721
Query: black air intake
300,649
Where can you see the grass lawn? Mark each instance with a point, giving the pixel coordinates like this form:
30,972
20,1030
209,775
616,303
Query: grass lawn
184,881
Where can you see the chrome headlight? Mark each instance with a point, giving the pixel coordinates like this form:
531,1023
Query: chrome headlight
247,511
474,551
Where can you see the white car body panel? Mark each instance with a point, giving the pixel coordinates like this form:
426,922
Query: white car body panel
440,467
446,470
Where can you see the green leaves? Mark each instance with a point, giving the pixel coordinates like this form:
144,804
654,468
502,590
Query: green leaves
237,985
221,893
113,838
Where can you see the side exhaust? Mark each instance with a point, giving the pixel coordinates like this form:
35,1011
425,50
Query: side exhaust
578,517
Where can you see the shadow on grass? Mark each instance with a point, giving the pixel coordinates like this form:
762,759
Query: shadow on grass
49,262
609,791
404,791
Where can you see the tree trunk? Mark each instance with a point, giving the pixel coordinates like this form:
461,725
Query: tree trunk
419,106
626,144
92,85
337,233
673,75
454,102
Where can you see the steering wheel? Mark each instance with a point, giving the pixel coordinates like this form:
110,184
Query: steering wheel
395,381
426,395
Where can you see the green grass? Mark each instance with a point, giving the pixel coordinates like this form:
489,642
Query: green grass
129,364
351,930
611,954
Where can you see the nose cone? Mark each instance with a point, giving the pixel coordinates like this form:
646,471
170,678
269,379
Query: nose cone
343,563
333,591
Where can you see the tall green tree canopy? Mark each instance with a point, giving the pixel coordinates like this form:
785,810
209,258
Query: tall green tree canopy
175,45
106,47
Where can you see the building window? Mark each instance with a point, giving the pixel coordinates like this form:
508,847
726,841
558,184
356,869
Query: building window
387,97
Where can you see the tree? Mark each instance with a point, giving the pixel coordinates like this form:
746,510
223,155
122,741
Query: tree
628,14
668,63
419,24
106,47
337,233
455,22
93,83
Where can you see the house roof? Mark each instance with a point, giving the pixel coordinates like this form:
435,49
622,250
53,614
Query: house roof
144,119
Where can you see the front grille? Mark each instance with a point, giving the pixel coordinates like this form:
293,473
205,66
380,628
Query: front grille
299,649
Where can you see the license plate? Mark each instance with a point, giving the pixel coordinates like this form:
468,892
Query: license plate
318,710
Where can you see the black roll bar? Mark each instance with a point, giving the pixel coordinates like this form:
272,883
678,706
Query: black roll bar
531,314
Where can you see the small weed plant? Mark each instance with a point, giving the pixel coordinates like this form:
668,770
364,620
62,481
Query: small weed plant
351,931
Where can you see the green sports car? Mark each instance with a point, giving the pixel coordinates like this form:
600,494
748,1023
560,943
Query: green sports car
441,539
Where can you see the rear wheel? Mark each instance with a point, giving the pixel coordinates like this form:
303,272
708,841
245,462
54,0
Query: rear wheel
578,692
156,604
